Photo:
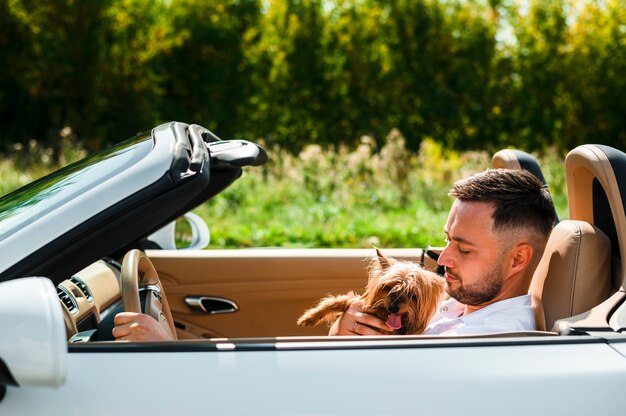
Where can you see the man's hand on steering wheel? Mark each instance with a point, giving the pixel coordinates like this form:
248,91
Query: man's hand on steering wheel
157,324
132,326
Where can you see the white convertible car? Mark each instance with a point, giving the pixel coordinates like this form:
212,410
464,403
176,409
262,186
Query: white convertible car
90,240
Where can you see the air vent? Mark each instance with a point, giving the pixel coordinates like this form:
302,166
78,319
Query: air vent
67,300
82,286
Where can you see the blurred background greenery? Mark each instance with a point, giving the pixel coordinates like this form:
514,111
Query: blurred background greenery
370,109
345,197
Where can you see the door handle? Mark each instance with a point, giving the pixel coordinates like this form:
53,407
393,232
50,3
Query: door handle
210,305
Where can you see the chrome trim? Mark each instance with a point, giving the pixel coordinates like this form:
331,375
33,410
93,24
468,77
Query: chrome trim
195,304
71,298
84,336
152,288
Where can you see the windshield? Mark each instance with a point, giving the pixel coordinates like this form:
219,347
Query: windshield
27,204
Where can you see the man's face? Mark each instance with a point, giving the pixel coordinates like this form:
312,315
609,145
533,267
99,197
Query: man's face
473,257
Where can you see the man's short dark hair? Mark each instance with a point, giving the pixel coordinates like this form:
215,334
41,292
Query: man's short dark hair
521,201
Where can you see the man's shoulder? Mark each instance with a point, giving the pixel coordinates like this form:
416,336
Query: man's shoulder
513,314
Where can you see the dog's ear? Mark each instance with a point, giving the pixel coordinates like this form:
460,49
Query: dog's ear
382,260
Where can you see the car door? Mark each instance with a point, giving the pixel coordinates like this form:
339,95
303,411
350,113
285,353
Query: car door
547,375
258,292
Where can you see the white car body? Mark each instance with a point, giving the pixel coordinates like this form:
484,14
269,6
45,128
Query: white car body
369,376
400,376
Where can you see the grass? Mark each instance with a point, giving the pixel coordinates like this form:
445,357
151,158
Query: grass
387,197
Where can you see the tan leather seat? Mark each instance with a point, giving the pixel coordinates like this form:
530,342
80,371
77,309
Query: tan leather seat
573,275
517,159
596,188
579,281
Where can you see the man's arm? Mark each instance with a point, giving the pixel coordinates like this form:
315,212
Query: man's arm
355,322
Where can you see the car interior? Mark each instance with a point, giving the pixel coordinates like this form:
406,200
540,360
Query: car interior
595,177
250,293
578,281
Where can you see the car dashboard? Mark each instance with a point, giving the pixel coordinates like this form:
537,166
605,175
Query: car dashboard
90,297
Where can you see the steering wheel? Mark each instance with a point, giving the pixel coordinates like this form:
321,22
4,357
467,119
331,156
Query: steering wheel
139,272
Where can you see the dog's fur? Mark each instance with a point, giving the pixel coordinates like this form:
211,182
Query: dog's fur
394,287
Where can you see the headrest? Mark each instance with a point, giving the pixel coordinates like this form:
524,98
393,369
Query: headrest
574,273
596,189
517,159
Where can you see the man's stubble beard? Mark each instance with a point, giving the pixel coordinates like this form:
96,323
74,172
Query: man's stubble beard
483,291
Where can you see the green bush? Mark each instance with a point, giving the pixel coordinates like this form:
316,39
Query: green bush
467,74
387,197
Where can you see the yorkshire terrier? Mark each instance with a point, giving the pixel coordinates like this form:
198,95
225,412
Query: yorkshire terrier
401,293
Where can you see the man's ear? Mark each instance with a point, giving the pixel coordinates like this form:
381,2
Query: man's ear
382,260
522,257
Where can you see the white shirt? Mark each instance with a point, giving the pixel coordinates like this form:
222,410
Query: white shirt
514,314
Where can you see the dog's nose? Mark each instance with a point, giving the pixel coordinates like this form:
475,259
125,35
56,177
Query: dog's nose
393,308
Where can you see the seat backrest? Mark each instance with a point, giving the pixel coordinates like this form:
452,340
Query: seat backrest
596,191
573,274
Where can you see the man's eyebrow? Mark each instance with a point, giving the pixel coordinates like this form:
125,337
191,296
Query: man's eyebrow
459,239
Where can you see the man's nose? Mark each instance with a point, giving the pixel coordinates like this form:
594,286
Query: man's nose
444,257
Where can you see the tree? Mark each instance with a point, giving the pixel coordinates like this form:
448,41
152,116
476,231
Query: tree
206,77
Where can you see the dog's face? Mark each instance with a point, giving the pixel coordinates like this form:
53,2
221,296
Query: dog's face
402,294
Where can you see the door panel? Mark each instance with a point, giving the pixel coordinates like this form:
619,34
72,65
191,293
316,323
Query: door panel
271,287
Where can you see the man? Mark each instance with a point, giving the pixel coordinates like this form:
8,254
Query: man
496,233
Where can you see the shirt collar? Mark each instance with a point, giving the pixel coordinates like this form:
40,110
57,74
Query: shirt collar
452,308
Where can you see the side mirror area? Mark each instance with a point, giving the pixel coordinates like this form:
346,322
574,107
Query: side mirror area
191,225
33,351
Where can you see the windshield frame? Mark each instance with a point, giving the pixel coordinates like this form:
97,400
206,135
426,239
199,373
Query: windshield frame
31,202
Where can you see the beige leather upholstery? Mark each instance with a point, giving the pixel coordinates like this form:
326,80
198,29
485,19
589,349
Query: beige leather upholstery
505,159
517,159
573,275
594,195
596,189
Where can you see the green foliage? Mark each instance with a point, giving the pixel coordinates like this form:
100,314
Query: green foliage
291,101
82,65
34,162
206,78
542,39
442,54
387,197
129,85
467,74
596,86
47,71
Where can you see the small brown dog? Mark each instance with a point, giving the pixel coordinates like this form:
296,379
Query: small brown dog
399,292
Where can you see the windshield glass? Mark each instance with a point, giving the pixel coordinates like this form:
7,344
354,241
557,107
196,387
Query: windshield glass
27,204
